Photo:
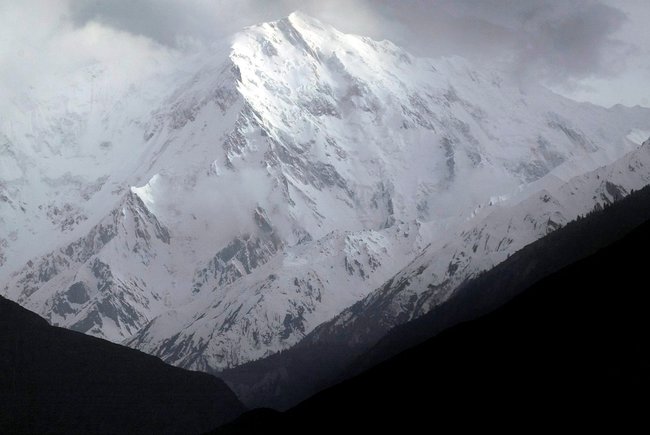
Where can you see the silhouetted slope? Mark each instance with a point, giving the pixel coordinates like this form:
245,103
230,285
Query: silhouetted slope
571,349
55,380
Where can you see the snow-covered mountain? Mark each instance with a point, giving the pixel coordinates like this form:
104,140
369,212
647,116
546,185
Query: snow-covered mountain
486,240
439,281
218,212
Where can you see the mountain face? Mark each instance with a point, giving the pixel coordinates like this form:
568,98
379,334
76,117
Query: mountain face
568,350
218,213
433,276
59,381
432,280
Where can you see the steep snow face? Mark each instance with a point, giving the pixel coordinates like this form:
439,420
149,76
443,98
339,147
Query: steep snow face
281,301
90,285
265,187
417,130
66,154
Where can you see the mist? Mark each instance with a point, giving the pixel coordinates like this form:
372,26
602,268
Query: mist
575,47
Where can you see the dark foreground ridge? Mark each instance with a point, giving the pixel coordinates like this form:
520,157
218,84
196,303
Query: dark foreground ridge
571,349
58,381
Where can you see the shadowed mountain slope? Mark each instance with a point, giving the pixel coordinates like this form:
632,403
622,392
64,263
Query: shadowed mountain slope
57,381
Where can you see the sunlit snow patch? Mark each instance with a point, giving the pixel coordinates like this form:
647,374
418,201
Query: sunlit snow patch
146,192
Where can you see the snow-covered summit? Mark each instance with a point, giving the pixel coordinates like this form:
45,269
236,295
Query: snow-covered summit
290,174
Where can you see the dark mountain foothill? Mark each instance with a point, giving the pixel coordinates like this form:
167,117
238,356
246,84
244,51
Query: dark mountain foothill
54,380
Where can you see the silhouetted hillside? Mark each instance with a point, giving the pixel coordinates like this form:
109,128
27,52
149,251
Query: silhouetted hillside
571,350
58,381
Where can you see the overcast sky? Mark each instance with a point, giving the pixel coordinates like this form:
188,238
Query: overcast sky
592,50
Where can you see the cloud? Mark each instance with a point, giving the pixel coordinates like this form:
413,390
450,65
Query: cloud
175,22
159,20
573,41
40,44
554,41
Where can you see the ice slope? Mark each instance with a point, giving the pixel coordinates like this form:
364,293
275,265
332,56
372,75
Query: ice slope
257,190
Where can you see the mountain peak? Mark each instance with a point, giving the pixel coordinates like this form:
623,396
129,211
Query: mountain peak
297,31
300,18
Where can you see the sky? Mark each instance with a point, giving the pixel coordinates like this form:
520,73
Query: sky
590,50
